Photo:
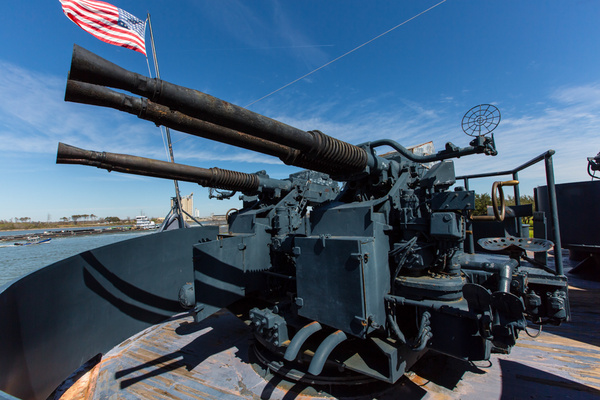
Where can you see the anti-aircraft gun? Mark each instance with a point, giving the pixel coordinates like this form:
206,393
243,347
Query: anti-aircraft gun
368,280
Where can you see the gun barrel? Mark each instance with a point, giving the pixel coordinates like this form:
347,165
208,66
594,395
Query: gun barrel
213,177
316,150
87,93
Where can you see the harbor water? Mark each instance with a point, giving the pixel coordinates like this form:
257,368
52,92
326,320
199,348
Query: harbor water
17,261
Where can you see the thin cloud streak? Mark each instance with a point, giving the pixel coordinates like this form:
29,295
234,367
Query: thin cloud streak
569,124
570,127
241,23
35,119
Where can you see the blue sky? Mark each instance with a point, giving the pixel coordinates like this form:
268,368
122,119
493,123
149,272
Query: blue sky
537,61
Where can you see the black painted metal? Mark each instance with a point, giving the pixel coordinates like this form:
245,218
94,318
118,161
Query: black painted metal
577,203
481,120
593,166
60,316
87,93
525,244
200,114
88,67
521,167
477,146
213,177
554,214
318,148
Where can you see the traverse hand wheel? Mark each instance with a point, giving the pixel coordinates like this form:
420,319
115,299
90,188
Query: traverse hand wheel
499,214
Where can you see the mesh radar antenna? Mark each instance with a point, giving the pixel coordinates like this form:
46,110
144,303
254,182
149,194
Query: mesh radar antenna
481,120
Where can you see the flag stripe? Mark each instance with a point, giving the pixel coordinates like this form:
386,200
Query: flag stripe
104,31
108,31
104,24
103,21
109,38
106,20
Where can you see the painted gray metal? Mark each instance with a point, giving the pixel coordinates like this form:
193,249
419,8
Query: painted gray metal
211,360
379,264
57,318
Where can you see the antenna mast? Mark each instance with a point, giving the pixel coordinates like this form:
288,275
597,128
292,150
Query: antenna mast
169,143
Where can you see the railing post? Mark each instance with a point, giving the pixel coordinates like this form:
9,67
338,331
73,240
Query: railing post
517,193
469,225
558,261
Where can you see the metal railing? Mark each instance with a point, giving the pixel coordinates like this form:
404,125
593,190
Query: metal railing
547,158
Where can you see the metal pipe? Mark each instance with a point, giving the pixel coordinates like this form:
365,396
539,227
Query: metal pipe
431,304
426,337
87,93
504,270
315,147
396,329
535,160
558,261
470,239
213,177
517,192
324,350
281,276
89,67
442,155
505,278
298,340
528,164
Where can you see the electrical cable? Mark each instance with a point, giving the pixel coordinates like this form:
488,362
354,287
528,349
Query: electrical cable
345,54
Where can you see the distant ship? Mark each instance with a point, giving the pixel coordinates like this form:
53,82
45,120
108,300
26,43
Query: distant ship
143,222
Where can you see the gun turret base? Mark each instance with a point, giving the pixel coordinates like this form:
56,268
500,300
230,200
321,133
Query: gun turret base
265,361
433,287
334,382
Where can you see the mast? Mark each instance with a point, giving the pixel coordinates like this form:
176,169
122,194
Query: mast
169,143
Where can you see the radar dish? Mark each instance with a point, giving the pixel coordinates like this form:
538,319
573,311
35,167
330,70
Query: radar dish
481,120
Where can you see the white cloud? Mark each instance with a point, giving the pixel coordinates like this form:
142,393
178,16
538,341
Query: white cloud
34,118
265,32
570,126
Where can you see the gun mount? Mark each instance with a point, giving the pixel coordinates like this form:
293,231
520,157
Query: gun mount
368,280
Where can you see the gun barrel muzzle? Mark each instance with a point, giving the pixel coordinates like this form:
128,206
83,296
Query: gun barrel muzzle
213,177
313,150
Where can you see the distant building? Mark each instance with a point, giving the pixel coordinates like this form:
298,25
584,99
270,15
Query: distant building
187,204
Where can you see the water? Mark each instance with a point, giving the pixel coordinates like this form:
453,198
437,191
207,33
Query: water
33,232
16,261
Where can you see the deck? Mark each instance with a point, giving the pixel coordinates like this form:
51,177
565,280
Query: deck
180,360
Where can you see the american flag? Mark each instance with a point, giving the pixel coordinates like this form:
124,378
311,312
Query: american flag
107,22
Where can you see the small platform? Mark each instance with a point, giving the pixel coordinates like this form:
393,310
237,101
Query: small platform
210,360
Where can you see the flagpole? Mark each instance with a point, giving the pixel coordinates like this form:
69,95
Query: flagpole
170,145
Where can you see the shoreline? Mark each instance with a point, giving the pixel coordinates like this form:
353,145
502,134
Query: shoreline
68,227
58,233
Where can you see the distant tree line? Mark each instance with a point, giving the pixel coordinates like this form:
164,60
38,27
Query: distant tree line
85,217
28,223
